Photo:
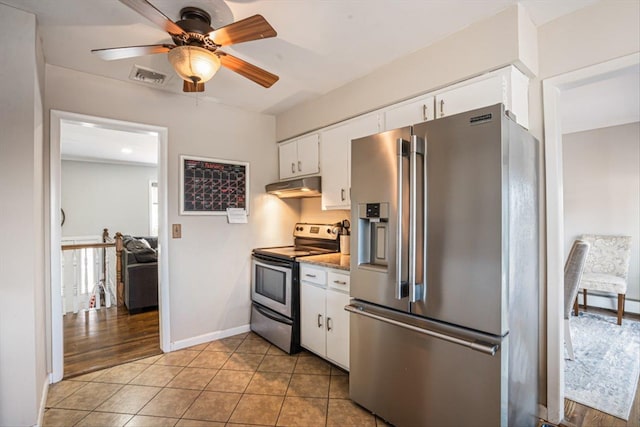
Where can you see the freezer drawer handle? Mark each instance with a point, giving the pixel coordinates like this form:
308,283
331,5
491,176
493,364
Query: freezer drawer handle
480,346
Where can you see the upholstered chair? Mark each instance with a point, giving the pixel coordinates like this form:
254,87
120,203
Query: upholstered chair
606,268
573,269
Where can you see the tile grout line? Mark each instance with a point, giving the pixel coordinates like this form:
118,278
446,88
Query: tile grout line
242,394
287,389
200,390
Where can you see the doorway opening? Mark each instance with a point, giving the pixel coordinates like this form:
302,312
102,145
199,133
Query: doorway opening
553,90
85,149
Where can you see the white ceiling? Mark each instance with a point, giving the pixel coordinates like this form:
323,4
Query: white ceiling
321,44
91,143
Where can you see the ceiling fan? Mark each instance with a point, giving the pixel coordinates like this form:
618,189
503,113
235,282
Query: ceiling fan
196,56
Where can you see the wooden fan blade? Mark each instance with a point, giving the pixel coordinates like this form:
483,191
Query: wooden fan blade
149,11
131,51
192,87
257,74
252,28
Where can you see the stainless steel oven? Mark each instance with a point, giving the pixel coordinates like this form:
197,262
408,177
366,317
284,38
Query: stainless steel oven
271,283
275,290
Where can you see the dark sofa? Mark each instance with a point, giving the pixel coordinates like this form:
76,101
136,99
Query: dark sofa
140,272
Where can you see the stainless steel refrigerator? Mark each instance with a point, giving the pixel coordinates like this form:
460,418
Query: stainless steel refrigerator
444,272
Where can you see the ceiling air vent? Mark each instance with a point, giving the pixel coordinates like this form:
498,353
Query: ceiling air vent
145,75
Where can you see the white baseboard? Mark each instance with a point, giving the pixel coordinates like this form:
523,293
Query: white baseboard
43,400
609,302
211,336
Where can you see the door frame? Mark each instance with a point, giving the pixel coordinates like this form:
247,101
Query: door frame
552,89
56,355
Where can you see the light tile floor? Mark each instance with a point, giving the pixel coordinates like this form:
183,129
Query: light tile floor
235,381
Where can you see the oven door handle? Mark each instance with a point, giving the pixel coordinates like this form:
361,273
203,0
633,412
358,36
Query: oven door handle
272,316
270,261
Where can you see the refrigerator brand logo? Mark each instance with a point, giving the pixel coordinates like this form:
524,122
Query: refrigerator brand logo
480,119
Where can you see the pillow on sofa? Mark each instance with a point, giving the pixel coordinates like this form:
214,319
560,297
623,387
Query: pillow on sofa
145,243
140,249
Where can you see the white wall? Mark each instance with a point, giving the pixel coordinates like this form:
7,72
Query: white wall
209,266
311,211
602,188
22,302
105,195
595,34
506,38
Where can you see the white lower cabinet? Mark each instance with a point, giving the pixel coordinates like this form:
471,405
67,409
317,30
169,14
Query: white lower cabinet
337,328
324,323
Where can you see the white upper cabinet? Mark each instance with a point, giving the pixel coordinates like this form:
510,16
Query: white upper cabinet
409,113
335,156
507,85
299,157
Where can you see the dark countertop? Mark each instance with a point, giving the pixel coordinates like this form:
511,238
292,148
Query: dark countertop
336,260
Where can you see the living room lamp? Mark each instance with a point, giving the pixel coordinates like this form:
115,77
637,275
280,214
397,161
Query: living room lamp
194,64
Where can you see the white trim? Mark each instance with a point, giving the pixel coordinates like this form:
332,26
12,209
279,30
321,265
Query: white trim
211,336
57,340
55,231
555,218
43,402
153,183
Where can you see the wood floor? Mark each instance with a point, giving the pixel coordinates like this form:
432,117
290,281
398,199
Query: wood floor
97,339
584,416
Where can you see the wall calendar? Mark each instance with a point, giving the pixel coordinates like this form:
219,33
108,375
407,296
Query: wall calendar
210,186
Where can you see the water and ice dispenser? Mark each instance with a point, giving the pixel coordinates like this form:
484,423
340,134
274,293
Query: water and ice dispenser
373,239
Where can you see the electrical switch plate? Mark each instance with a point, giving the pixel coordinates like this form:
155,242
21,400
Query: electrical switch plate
176,231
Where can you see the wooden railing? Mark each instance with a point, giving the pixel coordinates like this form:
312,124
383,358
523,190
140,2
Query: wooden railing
102,285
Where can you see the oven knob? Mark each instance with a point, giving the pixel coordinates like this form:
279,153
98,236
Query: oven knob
299,228
328,231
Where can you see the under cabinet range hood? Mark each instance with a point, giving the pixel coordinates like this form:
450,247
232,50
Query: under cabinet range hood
296,188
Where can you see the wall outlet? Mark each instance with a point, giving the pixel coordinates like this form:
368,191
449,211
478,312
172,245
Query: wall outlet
176,231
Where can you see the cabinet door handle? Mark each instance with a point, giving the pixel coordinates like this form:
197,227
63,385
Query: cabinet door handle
310,275
441,107
342,194
329,323
319,320
339,282
293,167
424,112
299,166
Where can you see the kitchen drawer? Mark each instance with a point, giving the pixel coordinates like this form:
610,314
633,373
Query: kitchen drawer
313,275
338,281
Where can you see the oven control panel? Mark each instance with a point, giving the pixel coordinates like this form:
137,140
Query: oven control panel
318,231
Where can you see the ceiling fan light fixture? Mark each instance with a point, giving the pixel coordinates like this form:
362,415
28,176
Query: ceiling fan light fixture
194,64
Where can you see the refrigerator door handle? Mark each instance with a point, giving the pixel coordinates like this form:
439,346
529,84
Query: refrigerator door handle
401,152
482,347
416,289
